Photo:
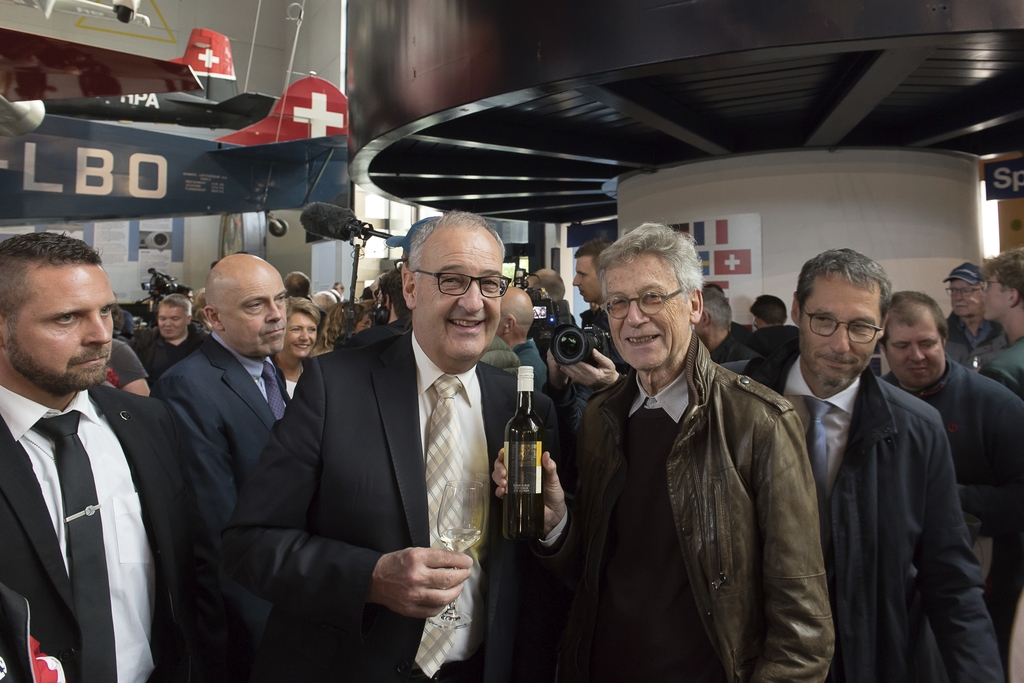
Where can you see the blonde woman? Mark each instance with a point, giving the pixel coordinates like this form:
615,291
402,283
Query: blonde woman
299,338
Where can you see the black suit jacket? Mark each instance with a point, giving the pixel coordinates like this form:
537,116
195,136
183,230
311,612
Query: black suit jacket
342,483
188,616
225,423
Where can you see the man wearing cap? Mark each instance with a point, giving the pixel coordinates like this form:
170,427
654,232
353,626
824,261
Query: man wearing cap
973,340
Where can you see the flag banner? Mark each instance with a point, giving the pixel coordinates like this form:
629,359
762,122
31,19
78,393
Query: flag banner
729,248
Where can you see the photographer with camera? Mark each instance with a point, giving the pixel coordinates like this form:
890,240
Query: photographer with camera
173,338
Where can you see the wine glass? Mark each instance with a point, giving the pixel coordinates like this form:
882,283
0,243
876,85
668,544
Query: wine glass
460,523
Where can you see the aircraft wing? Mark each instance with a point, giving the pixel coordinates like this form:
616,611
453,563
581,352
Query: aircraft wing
39,68
254,106
79,170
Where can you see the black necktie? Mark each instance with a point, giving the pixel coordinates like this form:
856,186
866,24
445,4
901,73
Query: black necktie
86,561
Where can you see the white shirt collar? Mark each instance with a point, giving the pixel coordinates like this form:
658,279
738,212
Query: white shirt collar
673,399
427,373
22,413
796,385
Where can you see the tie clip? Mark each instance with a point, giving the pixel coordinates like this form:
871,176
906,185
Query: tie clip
89,511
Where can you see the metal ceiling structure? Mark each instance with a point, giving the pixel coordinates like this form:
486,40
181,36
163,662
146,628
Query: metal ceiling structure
474,111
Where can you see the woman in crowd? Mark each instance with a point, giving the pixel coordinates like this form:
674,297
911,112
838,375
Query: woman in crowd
299,338
334,327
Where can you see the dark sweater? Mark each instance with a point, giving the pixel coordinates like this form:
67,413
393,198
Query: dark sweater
648,625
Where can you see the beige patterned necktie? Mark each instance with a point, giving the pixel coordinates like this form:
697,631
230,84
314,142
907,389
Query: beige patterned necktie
443,464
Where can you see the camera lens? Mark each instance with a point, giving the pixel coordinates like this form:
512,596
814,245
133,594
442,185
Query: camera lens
569,345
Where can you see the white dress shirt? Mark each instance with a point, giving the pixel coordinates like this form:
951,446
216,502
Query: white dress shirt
130,569
476,467
836,421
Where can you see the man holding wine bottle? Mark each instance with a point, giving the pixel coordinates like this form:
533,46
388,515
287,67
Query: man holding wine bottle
693,537
338,527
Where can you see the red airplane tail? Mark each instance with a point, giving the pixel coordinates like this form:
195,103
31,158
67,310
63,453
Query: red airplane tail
209,55
310,108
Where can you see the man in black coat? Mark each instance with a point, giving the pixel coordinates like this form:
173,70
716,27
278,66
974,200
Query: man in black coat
335,526
122,590
985,424
894,538
223,400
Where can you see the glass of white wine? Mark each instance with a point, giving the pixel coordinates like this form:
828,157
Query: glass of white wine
460,522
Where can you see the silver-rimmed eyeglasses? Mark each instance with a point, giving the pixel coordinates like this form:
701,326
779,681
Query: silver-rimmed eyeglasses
649,303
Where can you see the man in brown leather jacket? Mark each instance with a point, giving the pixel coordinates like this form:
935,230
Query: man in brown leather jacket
693,539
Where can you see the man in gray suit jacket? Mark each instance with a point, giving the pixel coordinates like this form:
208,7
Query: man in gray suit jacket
223,398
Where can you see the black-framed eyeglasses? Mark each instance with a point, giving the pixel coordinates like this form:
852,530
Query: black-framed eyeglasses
964,291
649,303
858,332
988,283
457,284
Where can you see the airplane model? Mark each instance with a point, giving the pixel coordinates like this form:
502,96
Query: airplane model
78,170
208,53
35,68
125,11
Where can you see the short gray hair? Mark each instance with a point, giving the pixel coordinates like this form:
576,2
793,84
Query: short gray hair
655,238
176,301
452,219
852,266
717,307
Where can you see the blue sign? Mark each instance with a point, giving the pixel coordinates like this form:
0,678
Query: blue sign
1004,179
70,169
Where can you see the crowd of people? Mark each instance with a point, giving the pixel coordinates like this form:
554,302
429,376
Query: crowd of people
249,489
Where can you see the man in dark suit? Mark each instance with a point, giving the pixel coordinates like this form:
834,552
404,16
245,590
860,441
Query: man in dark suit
98,523
225,398
337,525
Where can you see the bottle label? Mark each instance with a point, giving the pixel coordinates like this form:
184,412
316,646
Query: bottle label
523,462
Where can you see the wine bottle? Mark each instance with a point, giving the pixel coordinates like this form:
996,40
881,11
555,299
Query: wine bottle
523,510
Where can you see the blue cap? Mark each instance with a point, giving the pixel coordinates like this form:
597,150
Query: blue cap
403,240
968,272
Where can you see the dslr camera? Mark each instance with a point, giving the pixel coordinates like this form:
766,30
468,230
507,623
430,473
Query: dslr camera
160,285
571,344
545,313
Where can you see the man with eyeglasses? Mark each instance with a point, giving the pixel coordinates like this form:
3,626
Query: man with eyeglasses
689,541
895,543
337,527
1004,304
973,340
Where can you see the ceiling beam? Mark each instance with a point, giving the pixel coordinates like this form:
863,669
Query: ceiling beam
503,195
645,104
993,102
885,73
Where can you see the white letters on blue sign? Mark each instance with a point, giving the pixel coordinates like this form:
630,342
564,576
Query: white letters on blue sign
104,172
94,173
137,160
1003,178
29,175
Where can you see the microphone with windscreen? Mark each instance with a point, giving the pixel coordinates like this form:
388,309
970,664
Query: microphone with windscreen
336,223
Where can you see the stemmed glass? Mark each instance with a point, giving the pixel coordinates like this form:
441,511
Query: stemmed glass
460,523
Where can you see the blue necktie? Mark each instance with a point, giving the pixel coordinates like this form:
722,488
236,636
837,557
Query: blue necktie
274,397
817,451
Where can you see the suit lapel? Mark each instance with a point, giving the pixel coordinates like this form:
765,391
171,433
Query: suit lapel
239,380
499,407
135,436
394,386
19,485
